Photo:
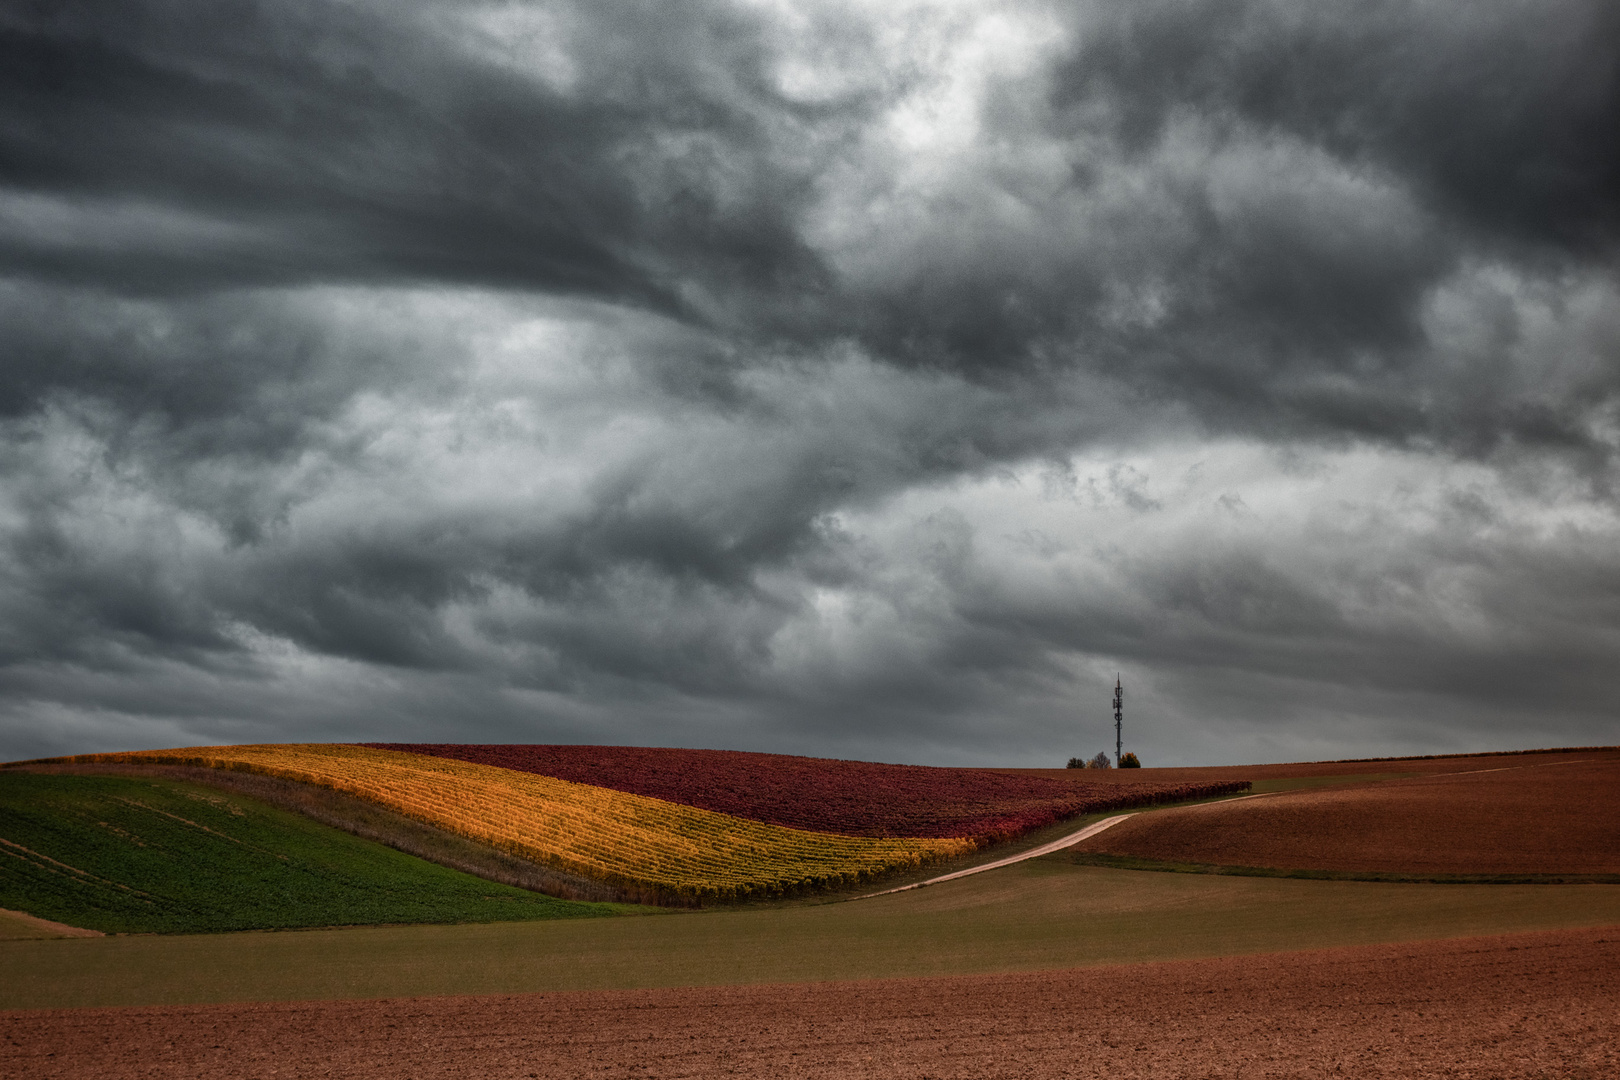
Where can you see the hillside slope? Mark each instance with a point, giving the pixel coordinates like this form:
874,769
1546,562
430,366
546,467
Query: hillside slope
139,855
851,798
1520,815
613,836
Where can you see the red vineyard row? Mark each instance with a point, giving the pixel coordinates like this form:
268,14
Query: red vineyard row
854,798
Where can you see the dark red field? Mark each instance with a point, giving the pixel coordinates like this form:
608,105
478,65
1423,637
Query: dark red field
1531,1006
1325,770
855,798
1526,814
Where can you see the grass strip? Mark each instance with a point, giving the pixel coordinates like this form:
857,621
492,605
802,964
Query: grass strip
1036,915
1306,783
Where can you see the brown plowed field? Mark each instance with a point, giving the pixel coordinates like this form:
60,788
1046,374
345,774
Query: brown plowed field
1520,815
1322,770
1525,1005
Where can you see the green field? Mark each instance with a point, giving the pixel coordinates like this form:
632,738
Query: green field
1036,915
1303,783
136,855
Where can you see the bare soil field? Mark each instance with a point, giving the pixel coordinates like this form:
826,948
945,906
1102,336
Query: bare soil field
1041,915
1261,775
1523,1005
1526,814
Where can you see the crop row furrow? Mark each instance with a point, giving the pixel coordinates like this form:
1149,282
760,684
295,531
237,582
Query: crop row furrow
611,835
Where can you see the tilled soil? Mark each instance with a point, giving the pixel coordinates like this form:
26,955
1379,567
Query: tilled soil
1524,1005
1327,769
1519,817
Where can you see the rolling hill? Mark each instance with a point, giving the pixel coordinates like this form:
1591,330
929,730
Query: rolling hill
123,854
706,826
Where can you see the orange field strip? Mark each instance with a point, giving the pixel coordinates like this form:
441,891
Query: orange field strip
595,832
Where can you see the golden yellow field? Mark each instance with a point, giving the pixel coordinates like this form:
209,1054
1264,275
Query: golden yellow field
595,832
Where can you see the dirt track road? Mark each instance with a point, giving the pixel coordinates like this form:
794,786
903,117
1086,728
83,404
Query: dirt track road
1525,1005
1033,853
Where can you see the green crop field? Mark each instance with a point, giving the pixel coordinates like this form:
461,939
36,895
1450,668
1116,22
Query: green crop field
137,855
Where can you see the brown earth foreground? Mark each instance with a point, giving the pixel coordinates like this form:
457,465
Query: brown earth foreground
1523,1005
1509,815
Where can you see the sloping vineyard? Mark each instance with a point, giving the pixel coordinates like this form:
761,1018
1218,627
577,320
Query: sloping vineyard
609,835
853,798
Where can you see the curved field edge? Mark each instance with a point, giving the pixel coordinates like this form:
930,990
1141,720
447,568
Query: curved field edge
1524,820
1131,862
850,798
1032,916
372,821
147,854
619,838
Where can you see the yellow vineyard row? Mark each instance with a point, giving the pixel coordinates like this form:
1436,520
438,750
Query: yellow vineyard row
594,832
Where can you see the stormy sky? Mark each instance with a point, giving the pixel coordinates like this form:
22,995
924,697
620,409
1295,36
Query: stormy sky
868,380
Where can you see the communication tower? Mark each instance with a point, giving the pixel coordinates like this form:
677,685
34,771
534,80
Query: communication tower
1119,722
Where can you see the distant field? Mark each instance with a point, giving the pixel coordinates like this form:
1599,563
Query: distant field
1291,774
851,798
127,855
1530,814
675,851
872,820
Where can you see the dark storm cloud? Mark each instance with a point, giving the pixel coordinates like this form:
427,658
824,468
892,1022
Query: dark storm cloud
1504,118
1503,128
674,372
305,142
1305,182
285,142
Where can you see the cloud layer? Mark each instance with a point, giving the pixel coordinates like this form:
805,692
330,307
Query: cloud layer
862,380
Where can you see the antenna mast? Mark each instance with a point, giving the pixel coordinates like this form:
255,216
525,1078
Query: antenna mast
1119,721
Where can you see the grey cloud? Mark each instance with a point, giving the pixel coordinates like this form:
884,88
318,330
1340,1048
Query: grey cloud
1420,614
1265,203
313,141
1503,119
1255,204
683,373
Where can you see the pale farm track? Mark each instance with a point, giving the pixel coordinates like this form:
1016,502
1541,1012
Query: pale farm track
1033,853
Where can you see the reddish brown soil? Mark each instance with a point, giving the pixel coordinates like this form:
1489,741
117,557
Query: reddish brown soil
1523,816
1525,1005
1424,766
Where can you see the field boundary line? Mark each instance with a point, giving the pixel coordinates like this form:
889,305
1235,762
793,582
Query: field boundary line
1045,849
1511,768
47,926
